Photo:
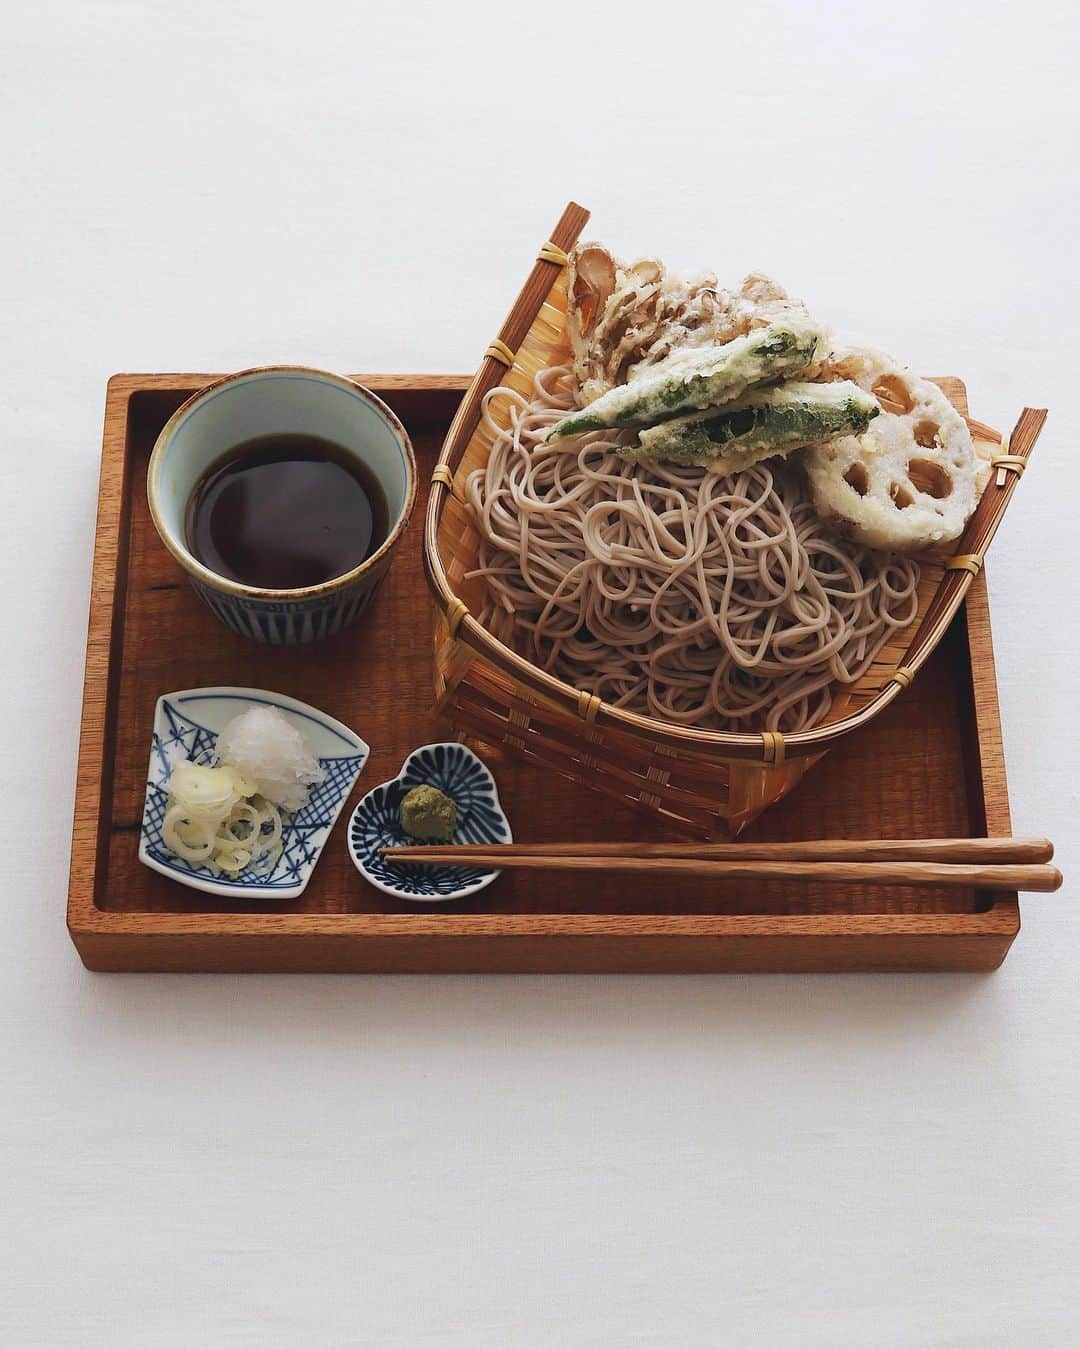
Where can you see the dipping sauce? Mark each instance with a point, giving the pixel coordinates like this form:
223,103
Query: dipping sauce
286,511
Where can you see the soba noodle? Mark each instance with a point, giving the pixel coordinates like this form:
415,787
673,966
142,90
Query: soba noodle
668,590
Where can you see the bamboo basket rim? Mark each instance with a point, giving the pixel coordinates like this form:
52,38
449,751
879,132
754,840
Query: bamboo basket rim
763,746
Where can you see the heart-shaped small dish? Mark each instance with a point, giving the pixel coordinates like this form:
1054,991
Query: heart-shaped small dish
455,770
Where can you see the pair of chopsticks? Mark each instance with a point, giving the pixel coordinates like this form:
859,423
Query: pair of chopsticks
982,863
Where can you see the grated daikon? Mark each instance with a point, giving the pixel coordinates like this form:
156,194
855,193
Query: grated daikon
271,751
227,816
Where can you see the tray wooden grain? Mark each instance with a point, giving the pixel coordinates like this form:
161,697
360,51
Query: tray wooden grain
930,765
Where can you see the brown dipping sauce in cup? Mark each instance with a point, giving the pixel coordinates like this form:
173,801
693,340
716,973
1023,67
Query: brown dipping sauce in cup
284,512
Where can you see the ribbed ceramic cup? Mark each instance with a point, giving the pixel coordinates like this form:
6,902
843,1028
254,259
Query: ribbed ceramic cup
274,400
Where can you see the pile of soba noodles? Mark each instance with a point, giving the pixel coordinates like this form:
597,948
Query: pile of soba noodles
708,601
670,521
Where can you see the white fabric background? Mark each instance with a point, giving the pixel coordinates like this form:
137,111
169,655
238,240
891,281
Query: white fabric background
833,1162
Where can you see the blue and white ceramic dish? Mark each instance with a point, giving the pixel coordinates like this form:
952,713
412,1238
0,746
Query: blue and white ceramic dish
455,770
186,726
261,402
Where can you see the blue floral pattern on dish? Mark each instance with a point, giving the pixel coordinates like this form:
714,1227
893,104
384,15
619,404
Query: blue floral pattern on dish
455,770
177,736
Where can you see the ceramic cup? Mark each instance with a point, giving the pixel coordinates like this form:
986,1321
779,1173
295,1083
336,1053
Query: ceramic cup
275,400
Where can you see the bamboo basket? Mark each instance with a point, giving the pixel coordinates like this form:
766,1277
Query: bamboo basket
705,782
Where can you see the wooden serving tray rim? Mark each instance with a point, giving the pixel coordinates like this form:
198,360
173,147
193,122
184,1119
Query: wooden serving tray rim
999,918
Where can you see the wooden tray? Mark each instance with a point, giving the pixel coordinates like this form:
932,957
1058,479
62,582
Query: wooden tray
930,765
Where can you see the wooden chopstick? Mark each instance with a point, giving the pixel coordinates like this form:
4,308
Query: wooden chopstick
980,876
975,850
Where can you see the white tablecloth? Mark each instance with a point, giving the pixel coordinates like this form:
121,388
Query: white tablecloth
804,1162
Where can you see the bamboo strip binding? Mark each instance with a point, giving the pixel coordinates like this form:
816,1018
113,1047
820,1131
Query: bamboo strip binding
551,252
588,706
455,612
970,562
719,780
499,351
1008,463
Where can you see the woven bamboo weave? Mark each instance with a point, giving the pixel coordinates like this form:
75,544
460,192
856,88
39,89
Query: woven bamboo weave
705,782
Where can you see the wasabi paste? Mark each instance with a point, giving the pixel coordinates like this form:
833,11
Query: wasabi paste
428,813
